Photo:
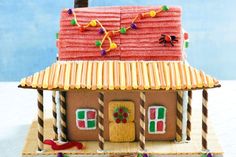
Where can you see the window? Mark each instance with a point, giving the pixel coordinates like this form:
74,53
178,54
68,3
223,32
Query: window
156,119
86,119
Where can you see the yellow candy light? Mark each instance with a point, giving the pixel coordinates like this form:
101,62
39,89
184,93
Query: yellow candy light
113,45
93,23
152,13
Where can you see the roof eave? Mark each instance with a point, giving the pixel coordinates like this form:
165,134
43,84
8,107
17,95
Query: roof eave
162,89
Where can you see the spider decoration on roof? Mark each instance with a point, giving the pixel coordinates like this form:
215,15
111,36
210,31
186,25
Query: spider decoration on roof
167,39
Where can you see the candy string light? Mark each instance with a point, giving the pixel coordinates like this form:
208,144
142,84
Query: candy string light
108,34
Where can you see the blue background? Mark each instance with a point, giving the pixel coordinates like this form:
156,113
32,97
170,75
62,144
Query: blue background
28,27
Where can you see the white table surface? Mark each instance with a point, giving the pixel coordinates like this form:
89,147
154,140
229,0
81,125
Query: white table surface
18,108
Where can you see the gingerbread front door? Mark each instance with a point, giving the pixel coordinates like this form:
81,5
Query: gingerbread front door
121,121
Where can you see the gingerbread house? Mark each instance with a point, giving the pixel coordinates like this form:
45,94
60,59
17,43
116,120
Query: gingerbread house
120,77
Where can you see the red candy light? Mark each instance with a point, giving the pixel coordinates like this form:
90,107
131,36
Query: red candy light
81,29
185,36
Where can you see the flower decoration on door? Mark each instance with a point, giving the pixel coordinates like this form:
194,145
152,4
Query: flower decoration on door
121,114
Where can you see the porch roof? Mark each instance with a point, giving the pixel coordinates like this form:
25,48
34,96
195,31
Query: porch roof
123,75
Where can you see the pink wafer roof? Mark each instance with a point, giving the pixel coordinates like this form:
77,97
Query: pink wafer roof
140,44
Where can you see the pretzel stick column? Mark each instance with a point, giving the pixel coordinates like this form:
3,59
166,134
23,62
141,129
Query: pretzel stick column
63,116
54,113
142,121
204,119
101,120
179,116
189,115
40,120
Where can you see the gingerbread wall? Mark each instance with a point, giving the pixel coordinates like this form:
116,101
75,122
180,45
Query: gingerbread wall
88,99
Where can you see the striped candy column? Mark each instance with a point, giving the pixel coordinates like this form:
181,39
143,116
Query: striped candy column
204,118
189,115
179,116
54,113
101,120
142,121
63,116
40,120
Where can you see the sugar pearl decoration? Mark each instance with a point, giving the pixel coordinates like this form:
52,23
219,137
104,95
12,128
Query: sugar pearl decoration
81,29
69,11
133,26
140,15
209,155
98,43
113,46
123,30
145,155
73,22
103,52
139,155
93,23
101,31
152,13
60,154
165,8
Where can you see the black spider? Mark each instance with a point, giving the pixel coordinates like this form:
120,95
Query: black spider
165,39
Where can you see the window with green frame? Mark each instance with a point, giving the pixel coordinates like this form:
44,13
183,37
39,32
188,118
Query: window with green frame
156,120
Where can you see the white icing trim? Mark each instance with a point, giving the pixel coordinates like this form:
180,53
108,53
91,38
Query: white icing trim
86,119
157,120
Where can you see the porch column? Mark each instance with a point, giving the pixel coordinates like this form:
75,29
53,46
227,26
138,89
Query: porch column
179,116
142,121
40,120
63,133
54,113
204,119
189,115
101,120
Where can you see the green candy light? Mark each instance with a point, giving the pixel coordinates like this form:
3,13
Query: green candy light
98,43
203,155
186,44
140,155
57,35
165,8
73,22
123,30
